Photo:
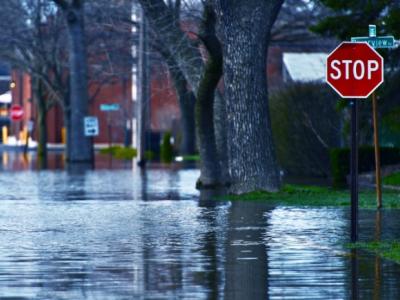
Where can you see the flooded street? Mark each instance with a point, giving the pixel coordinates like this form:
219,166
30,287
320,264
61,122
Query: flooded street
125,234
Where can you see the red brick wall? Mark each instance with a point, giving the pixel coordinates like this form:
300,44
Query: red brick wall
164,104
118,92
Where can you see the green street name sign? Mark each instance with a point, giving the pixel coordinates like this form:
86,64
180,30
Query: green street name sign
376,42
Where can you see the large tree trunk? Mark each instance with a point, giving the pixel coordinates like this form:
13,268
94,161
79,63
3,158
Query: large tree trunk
80,147
245,29
210,175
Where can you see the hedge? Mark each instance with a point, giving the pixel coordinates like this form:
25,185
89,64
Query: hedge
303,115
166,151
340,161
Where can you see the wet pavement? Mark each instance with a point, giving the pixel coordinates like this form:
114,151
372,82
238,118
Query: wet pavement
127,234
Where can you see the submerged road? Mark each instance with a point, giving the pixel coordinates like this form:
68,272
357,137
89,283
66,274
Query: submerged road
123,234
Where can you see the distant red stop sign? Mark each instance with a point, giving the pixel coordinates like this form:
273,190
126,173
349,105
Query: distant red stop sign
354,70
16,112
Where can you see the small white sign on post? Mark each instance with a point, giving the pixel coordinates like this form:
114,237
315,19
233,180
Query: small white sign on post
91,126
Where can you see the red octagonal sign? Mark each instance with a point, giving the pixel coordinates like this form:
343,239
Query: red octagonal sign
16,112
354,70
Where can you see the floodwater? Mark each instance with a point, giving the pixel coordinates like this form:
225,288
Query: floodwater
127,234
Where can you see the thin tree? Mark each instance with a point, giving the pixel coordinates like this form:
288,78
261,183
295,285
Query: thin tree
31,46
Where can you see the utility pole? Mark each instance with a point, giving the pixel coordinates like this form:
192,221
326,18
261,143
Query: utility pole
143,90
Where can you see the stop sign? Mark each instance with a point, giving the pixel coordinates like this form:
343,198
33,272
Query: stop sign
16,112
354,70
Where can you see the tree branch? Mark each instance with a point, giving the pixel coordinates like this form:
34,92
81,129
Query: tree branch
61,3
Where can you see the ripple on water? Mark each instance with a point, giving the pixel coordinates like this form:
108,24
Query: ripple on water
123,235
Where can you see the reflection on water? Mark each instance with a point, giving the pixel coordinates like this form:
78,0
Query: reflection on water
18,161
127,234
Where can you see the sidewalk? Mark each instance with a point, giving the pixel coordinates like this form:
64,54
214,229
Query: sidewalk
50,147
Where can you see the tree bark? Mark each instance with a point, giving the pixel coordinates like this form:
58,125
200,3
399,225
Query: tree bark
37,88
221,141
187,100
210,166
42,119
245,29
80,148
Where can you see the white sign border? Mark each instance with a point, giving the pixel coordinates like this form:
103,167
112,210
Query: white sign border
355,97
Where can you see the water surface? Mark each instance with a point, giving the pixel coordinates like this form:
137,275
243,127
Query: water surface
127,234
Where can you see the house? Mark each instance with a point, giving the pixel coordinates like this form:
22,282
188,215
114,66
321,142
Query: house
304,67
5,95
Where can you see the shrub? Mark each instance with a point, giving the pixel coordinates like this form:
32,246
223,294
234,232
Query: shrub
109,150
195,157
166,151
118,152
149,155
305,124
340,161
125,153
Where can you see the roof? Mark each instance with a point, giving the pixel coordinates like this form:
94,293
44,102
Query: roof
6,98
305,67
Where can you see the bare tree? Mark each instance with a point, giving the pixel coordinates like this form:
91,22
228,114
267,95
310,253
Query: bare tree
178,35
36,43
30,45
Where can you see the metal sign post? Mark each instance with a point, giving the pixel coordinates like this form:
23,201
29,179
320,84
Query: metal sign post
378,178
354,71
376,42
354,170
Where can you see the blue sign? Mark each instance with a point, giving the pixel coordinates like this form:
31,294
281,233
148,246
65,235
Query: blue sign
109,107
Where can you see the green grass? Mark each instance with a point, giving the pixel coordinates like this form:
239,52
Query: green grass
118,152
392,179
191,158
386,249
299,195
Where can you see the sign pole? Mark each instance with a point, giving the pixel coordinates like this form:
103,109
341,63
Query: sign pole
378,180
354,71
354,170
109,131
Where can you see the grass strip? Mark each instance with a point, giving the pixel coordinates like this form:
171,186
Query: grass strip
301,195
392,179
386,249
